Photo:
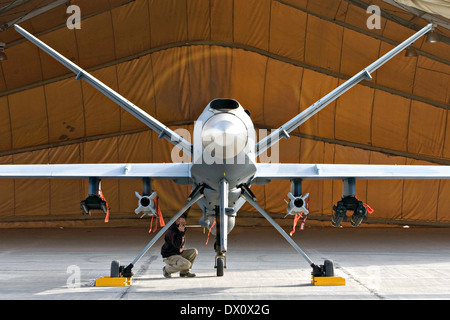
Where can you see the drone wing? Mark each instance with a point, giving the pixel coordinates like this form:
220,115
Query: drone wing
280,171
158,127
112,171
284,130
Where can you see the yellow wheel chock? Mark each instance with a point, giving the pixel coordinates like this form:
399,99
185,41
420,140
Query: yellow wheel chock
113,282
327,281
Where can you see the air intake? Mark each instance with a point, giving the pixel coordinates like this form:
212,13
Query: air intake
224,104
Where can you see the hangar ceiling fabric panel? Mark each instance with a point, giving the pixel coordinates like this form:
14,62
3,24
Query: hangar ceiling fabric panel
171,57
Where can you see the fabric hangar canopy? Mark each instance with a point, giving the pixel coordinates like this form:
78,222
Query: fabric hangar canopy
276,57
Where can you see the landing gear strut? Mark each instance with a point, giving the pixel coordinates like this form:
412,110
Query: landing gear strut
121,271
222,217
325,270
220,259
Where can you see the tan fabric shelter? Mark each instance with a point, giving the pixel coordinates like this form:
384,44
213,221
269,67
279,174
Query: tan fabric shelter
171,57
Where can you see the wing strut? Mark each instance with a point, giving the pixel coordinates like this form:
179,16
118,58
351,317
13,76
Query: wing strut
248,195
162,130
196,195
325,270
284,130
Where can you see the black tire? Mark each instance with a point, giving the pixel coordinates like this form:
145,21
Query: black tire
115,269
328,268
220,266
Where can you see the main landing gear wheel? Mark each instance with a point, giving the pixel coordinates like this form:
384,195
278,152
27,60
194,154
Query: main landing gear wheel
324,270
115,269
328,268
118,271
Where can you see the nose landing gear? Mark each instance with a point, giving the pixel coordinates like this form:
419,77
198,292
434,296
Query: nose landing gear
220,264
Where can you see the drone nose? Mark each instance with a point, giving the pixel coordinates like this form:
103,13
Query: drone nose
225,133
224,136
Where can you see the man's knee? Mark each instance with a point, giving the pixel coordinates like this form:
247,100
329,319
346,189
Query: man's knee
194,253
185,265
191,254
177,263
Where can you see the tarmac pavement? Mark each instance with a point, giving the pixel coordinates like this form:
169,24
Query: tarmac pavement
377,263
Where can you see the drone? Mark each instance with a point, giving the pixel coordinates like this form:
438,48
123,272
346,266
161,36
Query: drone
224,165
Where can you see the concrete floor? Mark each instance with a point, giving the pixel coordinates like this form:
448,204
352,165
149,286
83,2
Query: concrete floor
377,263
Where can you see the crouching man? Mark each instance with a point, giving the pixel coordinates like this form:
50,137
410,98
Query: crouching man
176,258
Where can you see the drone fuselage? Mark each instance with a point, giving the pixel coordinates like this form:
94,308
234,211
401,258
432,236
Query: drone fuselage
223,150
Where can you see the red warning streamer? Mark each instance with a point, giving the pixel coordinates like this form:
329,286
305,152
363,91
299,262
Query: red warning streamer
160,218
100,192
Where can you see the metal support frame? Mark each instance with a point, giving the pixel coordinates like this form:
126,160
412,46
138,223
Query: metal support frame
31,14
248,195
325,270
196,195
